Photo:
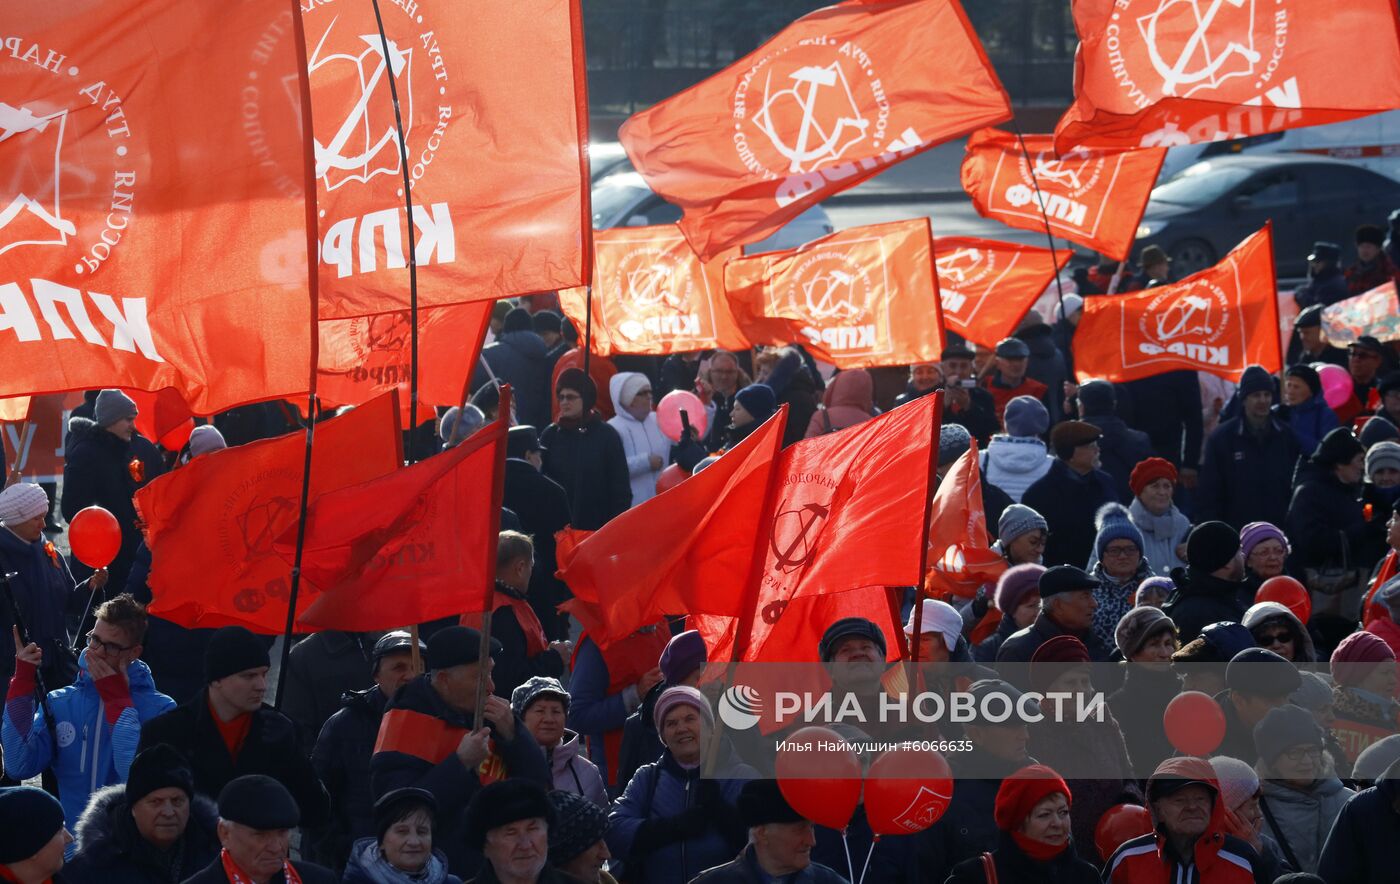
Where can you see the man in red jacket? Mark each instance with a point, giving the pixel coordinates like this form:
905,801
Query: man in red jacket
1010,380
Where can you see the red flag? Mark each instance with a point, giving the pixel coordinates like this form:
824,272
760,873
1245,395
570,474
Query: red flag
495,121
836,97
960,554
34,440
1219,321
985,287
795,636
700,543
1155,73
1092,197
857,298
151,234
410,546
160,412
211,523
652,294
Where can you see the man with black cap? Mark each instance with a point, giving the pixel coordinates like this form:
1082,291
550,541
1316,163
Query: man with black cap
1326,283
543,507
1309,343
576,845
780,843
428,739
1367,358
1156,269
964,402
32,836
226,730
256,818
1211,588
1247,473
518,357
1121,448
1010,379
152,830
1373,267
1071,492
346,743
509,822
1388,389
98,471
585,456
1256,680
1067,607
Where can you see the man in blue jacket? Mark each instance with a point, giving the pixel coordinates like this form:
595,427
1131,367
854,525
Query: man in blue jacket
96,721
1247,474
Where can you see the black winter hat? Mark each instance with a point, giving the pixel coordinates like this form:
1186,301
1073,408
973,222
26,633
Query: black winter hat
1210,546
1309,318
29,818
398,641
502,803
1370,233
394,805
518,319
1097,397
1258,672
578,825
1388,384
761,802
456,646
232,650
847,627
1378,429
159,767
1065,578
1337,447
1308,375
522,439
1256,379
547,321
575,379
258,802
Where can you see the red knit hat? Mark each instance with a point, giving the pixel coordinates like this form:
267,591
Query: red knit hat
1062,649
1149,471
1022,791
1357,655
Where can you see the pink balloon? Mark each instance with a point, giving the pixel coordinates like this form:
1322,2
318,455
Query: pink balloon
1336,384
668,414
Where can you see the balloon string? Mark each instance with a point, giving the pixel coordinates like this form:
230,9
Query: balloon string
874,839
850,867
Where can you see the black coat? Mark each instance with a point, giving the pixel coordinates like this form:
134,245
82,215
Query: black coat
514,664
1012,864
521,359
677,373
1068,501
1325,288
42,589
322,668
1360,849
111,851
341,759
96,473
1325,524
310,873
967,827
589,463
1200,600
1120,449
1167,407
994,503
543,508
979,418
1138,705
1047,365
744,869
1023,643
450,782
1247,477
272,747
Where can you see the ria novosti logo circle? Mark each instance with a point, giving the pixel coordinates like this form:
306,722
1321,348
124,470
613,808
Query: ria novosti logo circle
740,707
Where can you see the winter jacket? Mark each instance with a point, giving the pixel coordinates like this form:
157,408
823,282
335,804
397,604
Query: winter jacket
588,462
1309,421
1048,366
1120,449
272,747
1161,535
96,472
892,857
573,772
111,851
1387,629
543,508
1304,651
641,744
744,869
1366,275
640,440
1326,288
986,650
1020,645
849,399
1167,407
1247,476
979,418
1301,818
1200,600
968,826
603,693
795,386
341,759
1068,501
515,665
521,359
1115,599
91,752
1325,524
1012,864
406,763
1138,707
1065,746
366,865
1360,848
1002,393
670,823
310,873
1014,463
42,588
321,669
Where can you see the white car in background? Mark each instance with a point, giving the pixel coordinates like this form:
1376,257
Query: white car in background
1370,142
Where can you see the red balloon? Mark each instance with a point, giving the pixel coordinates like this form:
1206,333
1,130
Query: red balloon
1287,592
1194,723
670,478
1119,825
906,791
94,536
175,439
821,783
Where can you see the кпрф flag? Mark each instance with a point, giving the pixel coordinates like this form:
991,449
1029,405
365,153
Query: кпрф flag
986,286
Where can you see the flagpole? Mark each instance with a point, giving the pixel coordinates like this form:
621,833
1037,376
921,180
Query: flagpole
313,262
1040,202
489,572
588,329
412,246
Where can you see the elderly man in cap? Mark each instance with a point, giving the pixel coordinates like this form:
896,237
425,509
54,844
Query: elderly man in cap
152,830
585,455
1067,606
509,822
1326,284
853,649
1256,681
576,844
1367,358
346,743
1309,342
1156,269
32,836
1009,379
1247,472
256,818
780,843
226,731
1071,492
429,739
1211,588
101,468
543,508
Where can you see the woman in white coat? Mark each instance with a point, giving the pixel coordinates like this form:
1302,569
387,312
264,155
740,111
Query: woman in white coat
646,448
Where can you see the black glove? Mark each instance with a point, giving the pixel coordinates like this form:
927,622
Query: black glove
980,604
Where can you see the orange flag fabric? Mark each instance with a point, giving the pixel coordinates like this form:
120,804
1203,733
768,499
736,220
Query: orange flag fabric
986,286
1151,73
211,524
796,634
409,546
1091,197
700,543
151,236
159,412
495,122
1219,321
836,97
856,298
34,440
653,295
960,555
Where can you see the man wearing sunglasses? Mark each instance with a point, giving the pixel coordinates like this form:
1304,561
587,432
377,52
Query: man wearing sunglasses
97,720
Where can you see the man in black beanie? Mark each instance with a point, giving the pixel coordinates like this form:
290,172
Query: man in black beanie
32,837
256,818
152,829
1372,267
509,822
1211,588
226,730
1247,471
584,454
576,845
780,842
1256,681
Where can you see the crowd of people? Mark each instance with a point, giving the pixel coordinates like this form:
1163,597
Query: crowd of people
1141,525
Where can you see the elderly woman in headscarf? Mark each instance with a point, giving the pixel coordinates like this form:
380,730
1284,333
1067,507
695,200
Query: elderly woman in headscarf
646,449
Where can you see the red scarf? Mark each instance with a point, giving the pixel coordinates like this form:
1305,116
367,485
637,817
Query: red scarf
1038,850
535,640
234,732
236,875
